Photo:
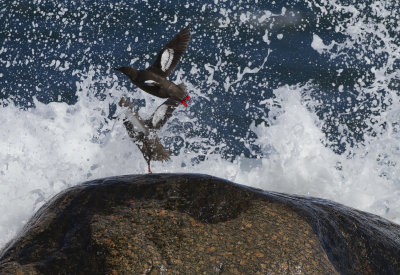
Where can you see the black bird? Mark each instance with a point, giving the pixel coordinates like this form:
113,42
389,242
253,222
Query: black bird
143,132
153,79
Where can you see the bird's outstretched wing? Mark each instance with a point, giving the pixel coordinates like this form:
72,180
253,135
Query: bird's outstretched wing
169,56
162,114
132,117
148,142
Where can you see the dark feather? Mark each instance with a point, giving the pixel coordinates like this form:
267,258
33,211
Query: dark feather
178,44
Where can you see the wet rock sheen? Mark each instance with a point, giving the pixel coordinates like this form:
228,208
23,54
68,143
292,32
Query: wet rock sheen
198,224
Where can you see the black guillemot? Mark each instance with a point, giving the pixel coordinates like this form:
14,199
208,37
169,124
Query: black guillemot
153,80
143,132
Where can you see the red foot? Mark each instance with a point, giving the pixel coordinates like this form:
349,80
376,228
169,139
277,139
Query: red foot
184,101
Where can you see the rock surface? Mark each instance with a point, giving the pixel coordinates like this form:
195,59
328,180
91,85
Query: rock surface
198,224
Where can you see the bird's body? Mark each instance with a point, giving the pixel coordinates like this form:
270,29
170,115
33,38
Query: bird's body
143,132
153,79
155,84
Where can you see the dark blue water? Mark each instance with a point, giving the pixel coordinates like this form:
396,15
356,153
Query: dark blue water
46,46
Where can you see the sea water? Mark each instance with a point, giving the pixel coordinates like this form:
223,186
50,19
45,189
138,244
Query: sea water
301,97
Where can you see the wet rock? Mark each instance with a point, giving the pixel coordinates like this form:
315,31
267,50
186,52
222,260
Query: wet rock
197,224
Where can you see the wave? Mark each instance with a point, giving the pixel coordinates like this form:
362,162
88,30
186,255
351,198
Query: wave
327,128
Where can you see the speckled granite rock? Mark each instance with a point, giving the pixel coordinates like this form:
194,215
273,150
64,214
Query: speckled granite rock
197,224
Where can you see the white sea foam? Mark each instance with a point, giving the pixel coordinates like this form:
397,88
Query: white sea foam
48,148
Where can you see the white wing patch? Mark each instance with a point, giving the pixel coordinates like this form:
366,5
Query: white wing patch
151,83
159,114
166,59
136,123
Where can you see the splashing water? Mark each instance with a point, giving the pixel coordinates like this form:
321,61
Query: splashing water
301,98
